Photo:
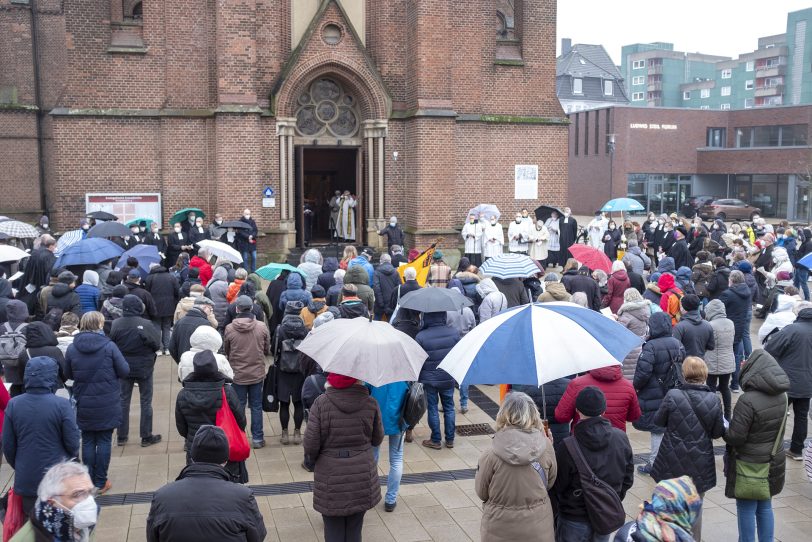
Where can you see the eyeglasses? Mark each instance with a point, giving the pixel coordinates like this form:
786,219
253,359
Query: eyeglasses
81,494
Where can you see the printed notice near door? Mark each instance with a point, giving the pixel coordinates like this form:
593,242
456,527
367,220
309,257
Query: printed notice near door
527,182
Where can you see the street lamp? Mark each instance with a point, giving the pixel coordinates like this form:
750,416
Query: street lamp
610,148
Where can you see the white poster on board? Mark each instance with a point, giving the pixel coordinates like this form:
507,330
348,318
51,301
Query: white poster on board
527,182
126,206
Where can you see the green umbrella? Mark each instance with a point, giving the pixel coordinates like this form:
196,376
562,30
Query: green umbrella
135,222
273,270
181,215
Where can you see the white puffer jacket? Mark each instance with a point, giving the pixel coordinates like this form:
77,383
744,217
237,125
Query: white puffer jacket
203,338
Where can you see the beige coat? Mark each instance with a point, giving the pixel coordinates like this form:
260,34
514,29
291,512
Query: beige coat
516,503
183,307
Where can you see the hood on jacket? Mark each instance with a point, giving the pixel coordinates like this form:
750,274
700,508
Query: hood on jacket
434,319
659,325
244,325
220,273
60,290
607,374
517,447
634,250
312,256
666,282
653,288
316,304
206,338
348,400
593,433
742,290
557,290
804,315
486,286
715,310
88,342
90,277
762,373
666,265
293,325
330,265
693,316
684,274
621,275
5,289
39,334
295,282
132,306
639,309
255,279
41,373
356,274
388,269
293,308
16,311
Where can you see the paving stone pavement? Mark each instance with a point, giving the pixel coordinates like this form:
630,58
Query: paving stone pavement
438,511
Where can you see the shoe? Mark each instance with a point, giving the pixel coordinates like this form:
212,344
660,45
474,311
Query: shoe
735,390
255,444
795,457
297,436
387,507
121,441
149,441
449,444
464,410
285,438
409,435
305,467
166,352
105,488
428,443
644,469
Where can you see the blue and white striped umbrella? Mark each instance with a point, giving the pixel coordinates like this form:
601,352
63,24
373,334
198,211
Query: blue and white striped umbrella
67,239
505,266
538,343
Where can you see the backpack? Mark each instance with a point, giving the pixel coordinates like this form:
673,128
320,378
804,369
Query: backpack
54,318
12,344
289,356
415,404
673,377
674,302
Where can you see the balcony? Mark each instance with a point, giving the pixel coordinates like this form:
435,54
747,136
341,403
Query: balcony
655,102
771,71
774,90
655,87
656,69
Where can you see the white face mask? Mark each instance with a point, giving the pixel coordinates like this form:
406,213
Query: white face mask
493,222
660,222
155,231
566,215
247,215
393,223
192,219
518,220
85,513
611,226
178,230
218,221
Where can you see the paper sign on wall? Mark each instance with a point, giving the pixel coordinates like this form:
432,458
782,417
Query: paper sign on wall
527,182
126,206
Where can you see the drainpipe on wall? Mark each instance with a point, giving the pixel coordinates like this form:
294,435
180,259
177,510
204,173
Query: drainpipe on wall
38,103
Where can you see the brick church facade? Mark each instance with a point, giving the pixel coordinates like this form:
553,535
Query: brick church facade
421,107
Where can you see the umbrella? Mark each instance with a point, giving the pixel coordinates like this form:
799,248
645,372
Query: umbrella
67,239
10,253
273,270
538,343
145,254
109,229
487,209
505,266
4,236
221,250
591,257
622,204
806,261
545,211
19,230
137,221
102,215
237,224
434,300
371,351
88,252
182,215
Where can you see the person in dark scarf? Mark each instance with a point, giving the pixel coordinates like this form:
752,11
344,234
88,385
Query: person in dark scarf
274,293
37,272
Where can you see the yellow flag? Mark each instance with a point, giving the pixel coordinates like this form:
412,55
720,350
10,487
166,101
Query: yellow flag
421,264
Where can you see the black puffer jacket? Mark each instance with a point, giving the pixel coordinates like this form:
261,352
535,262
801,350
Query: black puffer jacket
718,282
179,341
437,339
200,399
514,291
136,337
575,282
385,288
553,392
757,419
738,307
326,280
692,418
164,289
40,341
656,357
791,347
150,312
695,334
63,297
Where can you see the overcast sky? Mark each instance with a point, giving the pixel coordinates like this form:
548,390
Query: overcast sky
718,27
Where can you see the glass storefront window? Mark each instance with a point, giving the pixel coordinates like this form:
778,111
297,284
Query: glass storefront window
637,188
660,193
765,194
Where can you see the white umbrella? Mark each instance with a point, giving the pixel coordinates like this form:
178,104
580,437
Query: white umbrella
19,230
67,239
221,250
371,351
9,253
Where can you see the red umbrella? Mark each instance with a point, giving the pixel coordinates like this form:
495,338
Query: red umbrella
591,257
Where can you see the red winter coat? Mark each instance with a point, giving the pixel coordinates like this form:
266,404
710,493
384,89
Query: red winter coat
617,285
204,267
621,399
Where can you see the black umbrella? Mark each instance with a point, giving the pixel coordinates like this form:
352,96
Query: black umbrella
109,229
434,300
544,212
236,224
101,215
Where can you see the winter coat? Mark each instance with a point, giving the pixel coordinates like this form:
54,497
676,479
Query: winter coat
199,400
683,280
204,267
390,398
757,419
653,293
295,292
553,392
39,428
700,276
150,311
621,399
618,283
231,314
666,265
310,312
243,242
63,297
246,344
217,291
437,339
88,297
575,282
513,290
634,316
469,283
112,310
179,341
96,364
681,254
554,291
720,360
352,307
687,446
326,280
695,334
493,301
183,308
260,298
385,288
637,260
608,453
234,290
136,338
739,308
357,274
311,266
791,348
204,338
361,261
656,357
40,340
462,320
718,282
222,510
516,503
778,320
394,235
6,295
343,426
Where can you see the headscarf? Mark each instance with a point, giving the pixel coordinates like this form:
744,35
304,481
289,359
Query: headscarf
670,516
54,520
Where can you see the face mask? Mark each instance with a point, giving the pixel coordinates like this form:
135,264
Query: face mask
218,222
472,221
247,215
85,227
192,218
154,231
493,222
142,229
85,513
199,224
393,223
566,215
518,220
178,230
660,222
524,215
611,226
134,230
716,226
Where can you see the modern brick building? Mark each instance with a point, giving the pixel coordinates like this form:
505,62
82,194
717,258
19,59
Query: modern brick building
663,156
421,107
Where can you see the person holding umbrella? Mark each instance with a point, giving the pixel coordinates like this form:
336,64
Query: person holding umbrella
198,233
177,242
472,235
247,241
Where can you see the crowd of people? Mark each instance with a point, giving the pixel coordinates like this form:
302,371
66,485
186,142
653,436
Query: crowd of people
688,291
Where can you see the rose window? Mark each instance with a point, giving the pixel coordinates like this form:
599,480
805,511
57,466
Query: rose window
325,109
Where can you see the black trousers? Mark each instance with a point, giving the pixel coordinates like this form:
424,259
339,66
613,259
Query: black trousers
343,528
800,409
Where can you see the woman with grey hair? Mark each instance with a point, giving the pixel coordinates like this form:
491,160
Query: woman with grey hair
513,477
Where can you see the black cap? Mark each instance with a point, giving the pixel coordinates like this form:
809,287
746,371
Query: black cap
210,445
591,401
318,291
690,302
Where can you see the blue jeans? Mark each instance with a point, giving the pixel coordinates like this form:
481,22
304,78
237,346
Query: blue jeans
252,394
96,449
433,397
801,281
395,466
755,517
738,357
163,325
748,344
576,531
249,259
463,397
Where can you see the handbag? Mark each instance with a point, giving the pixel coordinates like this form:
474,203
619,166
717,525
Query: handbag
238,449
14,519
753,479
270,402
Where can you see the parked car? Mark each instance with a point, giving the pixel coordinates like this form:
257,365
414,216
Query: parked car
734,209
694,203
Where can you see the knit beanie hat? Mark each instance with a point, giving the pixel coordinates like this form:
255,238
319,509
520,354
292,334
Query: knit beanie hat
690,302
591,401
210,445
340,381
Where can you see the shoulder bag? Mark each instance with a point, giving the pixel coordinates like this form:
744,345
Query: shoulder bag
753,479
238,449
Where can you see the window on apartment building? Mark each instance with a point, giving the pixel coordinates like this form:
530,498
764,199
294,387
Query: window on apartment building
638,64
704,93
725,107
725,91
748,103
749,84
638,96
577,131
791,135
577,86
717,137
686,94
727,73
750,66
704,107
770,82
586,133
638,80
608,88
